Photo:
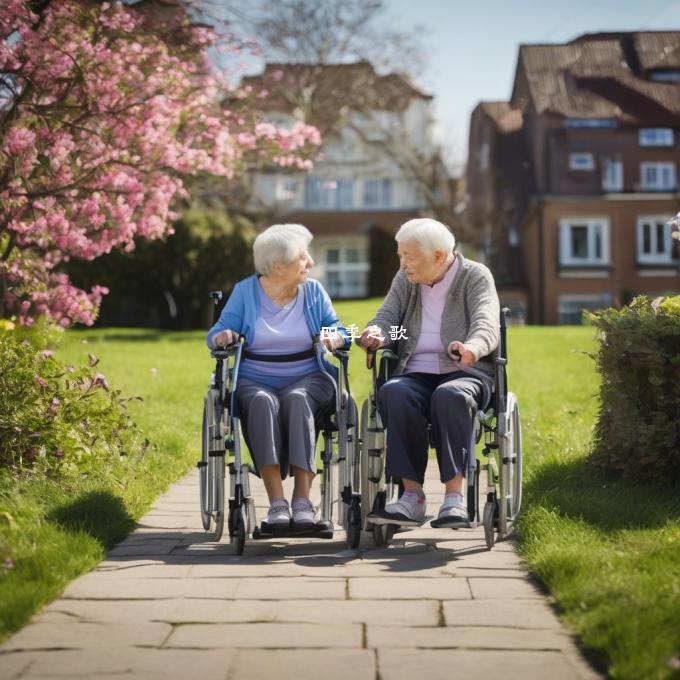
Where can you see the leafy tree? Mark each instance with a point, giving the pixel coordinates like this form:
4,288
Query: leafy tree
105,111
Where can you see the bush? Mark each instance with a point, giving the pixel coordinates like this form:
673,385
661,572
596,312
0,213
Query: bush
165,284
54,417
638,429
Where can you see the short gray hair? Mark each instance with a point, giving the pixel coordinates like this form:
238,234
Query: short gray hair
279,243
429,234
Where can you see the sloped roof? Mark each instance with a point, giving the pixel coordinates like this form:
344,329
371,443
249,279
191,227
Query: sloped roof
604,75
329,90
505,118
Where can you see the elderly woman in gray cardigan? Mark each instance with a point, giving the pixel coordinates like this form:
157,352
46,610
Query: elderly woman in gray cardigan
447,310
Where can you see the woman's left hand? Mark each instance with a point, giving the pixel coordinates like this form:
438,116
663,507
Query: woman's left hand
459,352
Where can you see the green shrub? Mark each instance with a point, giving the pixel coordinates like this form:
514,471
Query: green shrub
638,428
55,417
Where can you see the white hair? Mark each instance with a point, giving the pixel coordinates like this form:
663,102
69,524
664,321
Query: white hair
429,234
280,243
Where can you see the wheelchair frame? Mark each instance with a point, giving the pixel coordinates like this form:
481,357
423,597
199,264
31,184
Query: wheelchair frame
501,428
221,439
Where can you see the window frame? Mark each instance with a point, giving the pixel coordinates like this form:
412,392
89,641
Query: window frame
656,137
383,192
607,165
573,155
591,223
658,166
653,257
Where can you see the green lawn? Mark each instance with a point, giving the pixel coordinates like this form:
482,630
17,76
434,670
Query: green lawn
607,551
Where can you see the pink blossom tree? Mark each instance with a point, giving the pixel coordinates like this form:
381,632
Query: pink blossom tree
105,111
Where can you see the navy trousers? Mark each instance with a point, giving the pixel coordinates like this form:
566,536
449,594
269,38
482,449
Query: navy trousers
449,402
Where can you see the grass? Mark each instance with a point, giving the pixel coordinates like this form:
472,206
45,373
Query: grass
607,550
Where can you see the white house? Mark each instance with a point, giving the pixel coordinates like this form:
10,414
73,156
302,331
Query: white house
377,167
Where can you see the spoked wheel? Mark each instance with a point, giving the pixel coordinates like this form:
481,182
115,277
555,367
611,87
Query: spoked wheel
379,531
237,530
516,456
488,520
354,525
388,533
372,467
203,477
218,529
211,469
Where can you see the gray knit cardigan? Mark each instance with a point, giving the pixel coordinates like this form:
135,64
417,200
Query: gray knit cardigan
471,314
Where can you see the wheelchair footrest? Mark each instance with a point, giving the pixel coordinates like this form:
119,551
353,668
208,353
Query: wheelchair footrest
322,529
381,518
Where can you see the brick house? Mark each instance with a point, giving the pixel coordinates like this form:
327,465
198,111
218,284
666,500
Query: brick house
379,167
573,180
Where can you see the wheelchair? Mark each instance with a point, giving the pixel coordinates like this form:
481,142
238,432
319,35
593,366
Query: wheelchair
221,450
499,430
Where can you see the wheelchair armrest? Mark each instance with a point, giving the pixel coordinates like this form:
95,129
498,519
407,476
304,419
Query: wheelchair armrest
221,353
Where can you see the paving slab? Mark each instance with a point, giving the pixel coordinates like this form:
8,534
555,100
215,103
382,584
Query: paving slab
467,637
431,588
136,662
265,635
401,664
307,664
518,613
169,602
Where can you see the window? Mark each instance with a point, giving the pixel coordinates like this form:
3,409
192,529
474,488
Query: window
658,176
612,175
378,193
581,161
590,123
346,270
286,189
656,137
329,194
654,242
665,76
584,242
570,307
483,157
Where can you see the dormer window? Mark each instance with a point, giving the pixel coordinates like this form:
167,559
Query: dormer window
656,137
581,161
665,76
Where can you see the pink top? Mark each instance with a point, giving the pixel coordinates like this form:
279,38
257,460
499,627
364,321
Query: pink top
430,355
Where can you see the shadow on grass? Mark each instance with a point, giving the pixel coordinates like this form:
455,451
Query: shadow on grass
100,514
580,490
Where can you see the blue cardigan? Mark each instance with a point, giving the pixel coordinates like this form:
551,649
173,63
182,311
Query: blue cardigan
243,306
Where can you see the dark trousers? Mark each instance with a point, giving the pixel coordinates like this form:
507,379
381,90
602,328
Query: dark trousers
449,402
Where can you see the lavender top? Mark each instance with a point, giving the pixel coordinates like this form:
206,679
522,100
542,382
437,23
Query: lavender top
279,330
429,355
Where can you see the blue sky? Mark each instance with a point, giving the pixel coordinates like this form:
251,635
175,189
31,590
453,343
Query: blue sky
473,45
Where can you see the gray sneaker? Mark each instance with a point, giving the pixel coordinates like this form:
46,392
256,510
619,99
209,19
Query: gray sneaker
453,512
408,511
304,512
279,513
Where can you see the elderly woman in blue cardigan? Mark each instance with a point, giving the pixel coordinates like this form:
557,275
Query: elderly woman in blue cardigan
279,310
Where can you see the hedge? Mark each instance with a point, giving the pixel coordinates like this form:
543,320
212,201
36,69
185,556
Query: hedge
637,432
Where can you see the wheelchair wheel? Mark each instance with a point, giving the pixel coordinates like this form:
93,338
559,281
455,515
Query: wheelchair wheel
354,525
203,476
219,525
488,521
237,530
211,470
516,455
372,466
379,531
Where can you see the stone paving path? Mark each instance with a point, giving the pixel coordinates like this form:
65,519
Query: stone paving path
167,604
